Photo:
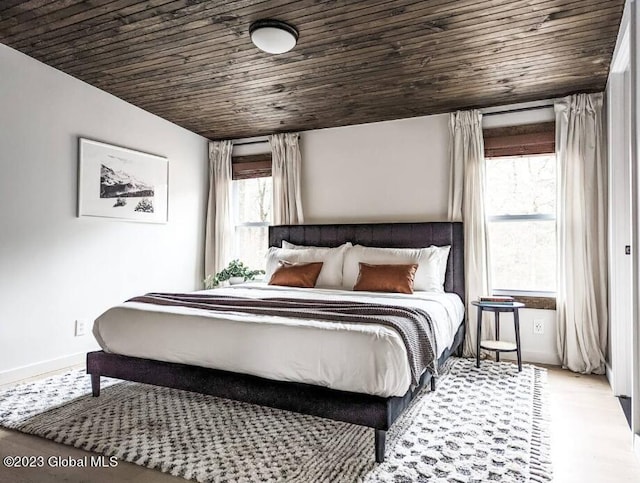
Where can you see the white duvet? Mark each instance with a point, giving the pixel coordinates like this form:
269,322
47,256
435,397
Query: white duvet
365,358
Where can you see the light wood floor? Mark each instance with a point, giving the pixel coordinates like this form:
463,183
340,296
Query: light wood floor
591,442
590,438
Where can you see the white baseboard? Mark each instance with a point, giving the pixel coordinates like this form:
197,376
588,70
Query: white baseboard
636,445
550,358
12,375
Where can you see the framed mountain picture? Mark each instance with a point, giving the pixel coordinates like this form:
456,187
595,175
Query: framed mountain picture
116,182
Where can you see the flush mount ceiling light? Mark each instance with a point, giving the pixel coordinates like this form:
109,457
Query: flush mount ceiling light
273,36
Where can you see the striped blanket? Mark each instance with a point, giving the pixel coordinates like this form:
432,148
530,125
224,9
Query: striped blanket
414,325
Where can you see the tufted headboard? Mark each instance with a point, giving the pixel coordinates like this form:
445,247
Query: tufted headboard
393,235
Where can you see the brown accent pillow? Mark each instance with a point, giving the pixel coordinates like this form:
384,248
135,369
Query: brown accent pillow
386,278
296,274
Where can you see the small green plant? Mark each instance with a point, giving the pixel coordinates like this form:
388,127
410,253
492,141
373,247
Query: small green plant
235,269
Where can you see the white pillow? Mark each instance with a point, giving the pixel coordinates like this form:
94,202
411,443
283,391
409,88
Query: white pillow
332,259
432,264
444,258
286,244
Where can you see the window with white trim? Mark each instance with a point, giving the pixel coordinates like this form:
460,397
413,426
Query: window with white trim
521,223
252,212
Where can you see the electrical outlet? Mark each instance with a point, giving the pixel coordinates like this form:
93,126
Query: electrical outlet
80,328
538,326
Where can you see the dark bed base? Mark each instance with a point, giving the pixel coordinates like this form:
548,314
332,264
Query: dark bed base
363,409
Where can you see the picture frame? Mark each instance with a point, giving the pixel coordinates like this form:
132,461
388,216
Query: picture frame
122,183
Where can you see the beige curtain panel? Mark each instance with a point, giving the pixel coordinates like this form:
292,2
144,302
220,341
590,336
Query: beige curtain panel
286,166
582,234
466,203
218,231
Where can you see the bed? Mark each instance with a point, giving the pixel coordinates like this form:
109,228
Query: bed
285,379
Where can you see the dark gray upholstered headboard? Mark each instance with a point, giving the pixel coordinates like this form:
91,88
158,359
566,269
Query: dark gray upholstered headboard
394,235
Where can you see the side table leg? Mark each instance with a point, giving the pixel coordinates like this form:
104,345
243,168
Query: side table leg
478,336
497,322
516,321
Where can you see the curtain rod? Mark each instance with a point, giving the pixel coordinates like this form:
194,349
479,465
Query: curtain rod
246,143
256,141
521,109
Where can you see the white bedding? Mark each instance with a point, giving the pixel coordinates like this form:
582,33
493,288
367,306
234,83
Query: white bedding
363,358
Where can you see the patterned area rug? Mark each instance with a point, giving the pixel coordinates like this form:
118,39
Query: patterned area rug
480,425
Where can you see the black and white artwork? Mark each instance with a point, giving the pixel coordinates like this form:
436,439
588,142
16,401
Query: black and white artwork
122,183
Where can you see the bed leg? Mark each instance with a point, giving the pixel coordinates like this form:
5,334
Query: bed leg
433,383
95,385
458,352
380,437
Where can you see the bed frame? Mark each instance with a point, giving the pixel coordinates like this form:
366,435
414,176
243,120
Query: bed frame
363,409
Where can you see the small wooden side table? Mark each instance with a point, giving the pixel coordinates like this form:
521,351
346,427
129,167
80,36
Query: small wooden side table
498,345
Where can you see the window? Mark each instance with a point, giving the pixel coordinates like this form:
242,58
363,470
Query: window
521,222
521,208
252,215
252,208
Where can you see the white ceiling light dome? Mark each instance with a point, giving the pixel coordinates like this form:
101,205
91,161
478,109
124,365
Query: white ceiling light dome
273,36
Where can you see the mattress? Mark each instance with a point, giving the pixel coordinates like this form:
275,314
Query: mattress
364,358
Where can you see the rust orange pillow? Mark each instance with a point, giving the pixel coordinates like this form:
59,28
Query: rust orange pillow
302,275
386,278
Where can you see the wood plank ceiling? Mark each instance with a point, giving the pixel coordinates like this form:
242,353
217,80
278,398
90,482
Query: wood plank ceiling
192,62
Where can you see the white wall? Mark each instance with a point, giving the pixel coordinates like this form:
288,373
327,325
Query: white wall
399,171
56,268
618,103
634,26
384,171
539,348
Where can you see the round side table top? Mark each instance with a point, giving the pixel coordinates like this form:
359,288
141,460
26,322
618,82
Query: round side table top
498,306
